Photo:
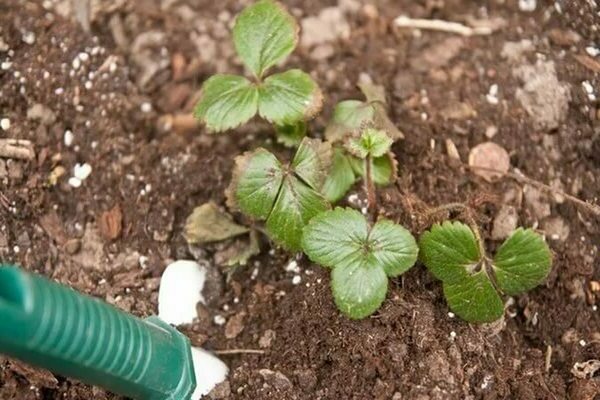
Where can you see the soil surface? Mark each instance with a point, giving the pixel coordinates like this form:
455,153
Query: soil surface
124,106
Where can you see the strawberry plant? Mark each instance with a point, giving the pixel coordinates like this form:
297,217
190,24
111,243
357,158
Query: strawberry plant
361,257
285,196
264,34
472,282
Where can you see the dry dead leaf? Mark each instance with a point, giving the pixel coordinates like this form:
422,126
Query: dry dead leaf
208,223
52,225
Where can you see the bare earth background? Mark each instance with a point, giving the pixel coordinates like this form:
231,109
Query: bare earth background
123,107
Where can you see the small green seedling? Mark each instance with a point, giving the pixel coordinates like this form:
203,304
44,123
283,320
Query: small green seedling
264,35
472,282
351,118
285,196
361,257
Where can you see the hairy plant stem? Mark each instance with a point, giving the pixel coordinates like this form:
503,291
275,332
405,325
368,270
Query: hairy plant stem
370,189
467,214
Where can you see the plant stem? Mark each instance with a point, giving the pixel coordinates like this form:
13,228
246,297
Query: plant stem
370,188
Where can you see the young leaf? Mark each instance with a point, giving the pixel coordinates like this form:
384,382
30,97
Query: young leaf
383,168
295,206
312,162
255,183
359,289
290,135
227,101
474,298
349,117
262,188
264,34
207,223
288,97
340,179
449,251
372,142
361,256
522,262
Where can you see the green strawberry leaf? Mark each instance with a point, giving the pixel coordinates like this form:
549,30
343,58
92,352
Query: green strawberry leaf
226,102
361,256
290,135
393,246
372,142
383,168
207,223
295,206
264,34
349,117
451,252
286,197
336,238
255,183
340,179
359,289
312,162
522,262
474,298
289,97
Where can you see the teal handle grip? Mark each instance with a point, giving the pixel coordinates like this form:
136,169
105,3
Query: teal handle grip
54,327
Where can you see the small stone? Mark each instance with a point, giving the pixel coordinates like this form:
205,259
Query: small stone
72,246
451,150
276,379
556,229
5,124
68,138
235,326
536,201
219,320
491,131
489,161
505,222
266,339
322,52
527,5
82,171
146,107
28,37
296,280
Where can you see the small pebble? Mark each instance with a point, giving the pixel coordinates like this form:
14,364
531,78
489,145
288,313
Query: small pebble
296,279
146,107
82,171
453,335
451,314
219,320
527,5
492,96
582,343
68,138
28,37
5,124
6,65
592,51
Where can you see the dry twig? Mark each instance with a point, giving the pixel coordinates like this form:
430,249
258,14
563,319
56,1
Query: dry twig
238,351
441,25
16,148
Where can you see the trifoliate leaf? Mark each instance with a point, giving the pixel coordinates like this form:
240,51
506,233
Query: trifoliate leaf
227,101
474,298
313,161
264,34
383,168
289,97
349,117
255,183
371,142
207,223
291,135
450,251
262,188
360,256
340,179
359,289
522,262
295,206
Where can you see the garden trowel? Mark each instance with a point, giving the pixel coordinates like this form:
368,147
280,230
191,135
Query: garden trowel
54,327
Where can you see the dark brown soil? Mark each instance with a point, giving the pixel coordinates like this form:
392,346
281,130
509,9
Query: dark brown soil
411,348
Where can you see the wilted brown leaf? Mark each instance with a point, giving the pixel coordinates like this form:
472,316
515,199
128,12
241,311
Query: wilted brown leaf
110,223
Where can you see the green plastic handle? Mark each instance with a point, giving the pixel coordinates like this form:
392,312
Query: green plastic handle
54,327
